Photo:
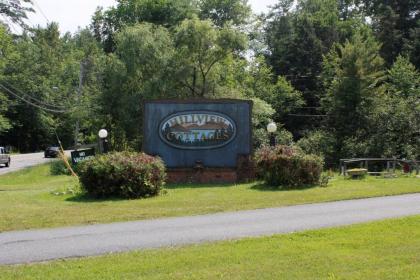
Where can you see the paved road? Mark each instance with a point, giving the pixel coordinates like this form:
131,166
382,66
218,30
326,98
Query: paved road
42,245
24,160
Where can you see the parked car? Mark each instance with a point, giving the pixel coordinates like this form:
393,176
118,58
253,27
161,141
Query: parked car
51,152
4,157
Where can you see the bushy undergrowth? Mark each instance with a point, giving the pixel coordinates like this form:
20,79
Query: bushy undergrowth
123,174
288,166
57,167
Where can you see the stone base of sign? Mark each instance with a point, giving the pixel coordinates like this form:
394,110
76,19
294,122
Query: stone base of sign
246,169
202,175
245,172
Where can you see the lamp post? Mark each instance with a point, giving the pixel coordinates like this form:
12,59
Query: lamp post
103,134
272,128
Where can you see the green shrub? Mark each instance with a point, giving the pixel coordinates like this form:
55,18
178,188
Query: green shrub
288,166
324,180
123,174
320,143
57,167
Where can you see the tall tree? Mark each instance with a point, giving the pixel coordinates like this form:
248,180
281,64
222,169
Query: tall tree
352,74
412,45
201,47
221,12
28,78
297,38
168,13
139,70
7,51
277,91
395,123
16,10
43,82
86,60
393,22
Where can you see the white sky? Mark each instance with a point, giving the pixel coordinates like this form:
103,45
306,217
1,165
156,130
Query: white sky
77,13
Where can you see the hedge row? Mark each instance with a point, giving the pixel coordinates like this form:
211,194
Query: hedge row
135,175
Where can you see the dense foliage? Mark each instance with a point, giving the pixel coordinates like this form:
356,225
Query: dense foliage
341,78
288,166
127,175
16,11
58,167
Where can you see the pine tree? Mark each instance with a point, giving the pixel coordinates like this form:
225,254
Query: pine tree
352,75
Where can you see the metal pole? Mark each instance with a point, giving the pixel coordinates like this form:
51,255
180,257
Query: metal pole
341,168
272,140
79,93
101,146
105,145
394,163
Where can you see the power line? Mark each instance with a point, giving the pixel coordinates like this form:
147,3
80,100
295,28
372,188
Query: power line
309,108
31,103
39,8
35,99
307,116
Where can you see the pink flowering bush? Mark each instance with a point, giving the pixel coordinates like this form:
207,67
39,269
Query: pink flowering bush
122,174
288,166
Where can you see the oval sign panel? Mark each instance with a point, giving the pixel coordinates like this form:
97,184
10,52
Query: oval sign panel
197,130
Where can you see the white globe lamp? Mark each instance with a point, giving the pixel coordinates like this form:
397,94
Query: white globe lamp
103,133
272,127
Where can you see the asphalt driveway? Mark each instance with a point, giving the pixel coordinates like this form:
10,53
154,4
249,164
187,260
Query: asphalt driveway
22,161
48,244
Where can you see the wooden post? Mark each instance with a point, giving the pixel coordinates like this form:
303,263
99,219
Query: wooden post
394,163
387,166
341,167
367,165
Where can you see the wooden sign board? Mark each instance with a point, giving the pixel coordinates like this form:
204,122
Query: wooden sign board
81,155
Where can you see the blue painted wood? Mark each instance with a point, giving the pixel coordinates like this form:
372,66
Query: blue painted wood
238,110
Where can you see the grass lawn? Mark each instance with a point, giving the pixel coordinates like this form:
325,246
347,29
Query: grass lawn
26,199
381,250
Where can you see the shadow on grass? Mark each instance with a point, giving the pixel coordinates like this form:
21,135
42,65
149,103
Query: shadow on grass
197,186
17,190
84,198
267,188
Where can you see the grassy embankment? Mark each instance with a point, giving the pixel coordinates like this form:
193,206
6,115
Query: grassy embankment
26,199
381,250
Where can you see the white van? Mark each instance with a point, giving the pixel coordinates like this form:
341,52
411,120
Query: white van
4,157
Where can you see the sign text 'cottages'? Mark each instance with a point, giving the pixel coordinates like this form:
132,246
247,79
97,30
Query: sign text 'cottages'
197,130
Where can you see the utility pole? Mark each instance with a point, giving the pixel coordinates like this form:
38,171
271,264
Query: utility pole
79,94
